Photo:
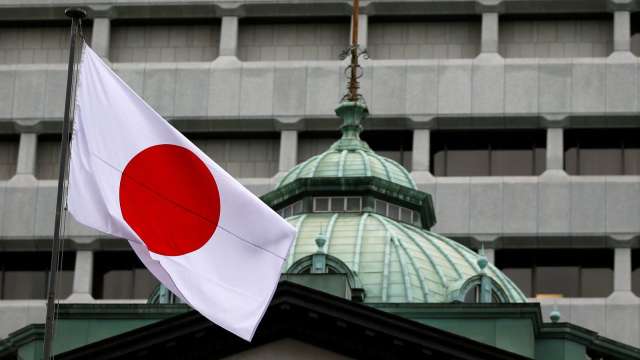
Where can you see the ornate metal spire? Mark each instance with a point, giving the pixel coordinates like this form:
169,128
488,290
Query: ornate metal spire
354,70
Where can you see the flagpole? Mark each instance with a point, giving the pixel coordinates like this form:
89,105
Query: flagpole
76,15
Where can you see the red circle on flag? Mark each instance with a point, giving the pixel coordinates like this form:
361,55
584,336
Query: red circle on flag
170,199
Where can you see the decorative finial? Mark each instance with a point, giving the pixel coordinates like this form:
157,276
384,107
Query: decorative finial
321,240
482,259
555,314
354,70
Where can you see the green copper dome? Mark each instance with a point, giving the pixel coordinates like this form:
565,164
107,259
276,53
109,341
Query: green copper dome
350,156
397,262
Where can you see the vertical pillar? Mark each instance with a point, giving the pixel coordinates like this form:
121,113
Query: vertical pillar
83,276
229,36
489,33
363,30
288,150
622,270
27,150
101,37
621,31
421,150
490,254
555,149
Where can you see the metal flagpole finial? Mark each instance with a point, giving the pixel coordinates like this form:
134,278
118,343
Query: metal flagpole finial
75,13
354,70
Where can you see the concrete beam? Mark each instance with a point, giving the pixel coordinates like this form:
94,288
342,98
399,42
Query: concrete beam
27,151
101,37
621,31
555,149
489,35
622,270
229,36
83,277
288,150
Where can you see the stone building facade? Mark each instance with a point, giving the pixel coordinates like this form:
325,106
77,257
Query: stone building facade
518,117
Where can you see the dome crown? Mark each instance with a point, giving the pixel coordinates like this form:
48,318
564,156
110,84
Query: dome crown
350,156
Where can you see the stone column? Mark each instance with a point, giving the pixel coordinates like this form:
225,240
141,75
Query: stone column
363,30
489,34
229,36
622,270
27,151
490,254
555,149
621,31
288,150
420,159
82,277
101,37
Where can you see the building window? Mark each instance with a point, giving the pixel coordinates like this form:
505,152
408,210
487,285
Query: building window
292,209
488,153
311,39
337,204
8,156
168,42
393,144
602,151
33,43
527,37
121,275
635,271
24,275
425,38
243,155
48,157
396,212
556,273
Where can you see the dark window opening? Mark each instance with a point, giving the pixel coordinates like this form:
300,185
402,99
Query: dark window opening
121,275
396,145
488,153
8,156
602,151
48,157
24,275
551,273
635,271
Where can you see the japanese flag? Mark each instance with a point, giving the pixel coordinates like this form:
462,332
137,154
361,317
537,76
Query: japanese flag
201,233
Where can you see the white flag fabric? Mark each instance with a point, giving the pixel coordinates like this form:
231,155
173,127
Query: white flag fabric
202,234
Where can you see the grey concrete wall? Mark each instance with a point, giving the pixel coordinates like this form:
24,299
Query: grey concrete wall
556,38
164,43
244,158
423,40
36,44
292,41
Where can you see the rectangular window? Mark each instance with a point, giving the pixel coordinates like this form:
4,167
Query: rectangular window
37,43
536,37
48,157
8,156
559,272
381,207
635,271
121,275
24,275
321,204
243,155
602,151
292,39
164,42
337,204
488,152
424,38
354,204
